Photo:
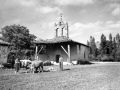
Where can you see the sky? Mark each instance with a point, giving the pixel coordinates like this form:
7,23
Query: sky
85,17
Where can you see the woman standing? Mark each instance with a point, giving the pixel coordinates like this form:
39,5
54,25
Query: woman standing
17,65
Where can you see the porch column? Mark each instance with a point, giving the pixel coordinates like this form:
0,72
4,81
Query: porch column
36,53
68,53
78,51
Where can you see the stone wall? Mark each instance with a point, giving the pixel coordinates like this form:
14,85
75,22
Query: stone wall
3,54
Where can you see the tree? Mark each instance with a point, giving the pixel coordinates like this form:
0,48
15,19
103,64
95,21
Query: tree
19,37
87,42
103,44
117,37
110,44
118,40
114,43
110,37
92,46
114,48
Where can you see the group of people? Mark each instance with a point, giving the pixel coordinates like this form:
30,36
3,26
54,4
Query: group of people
17,64
21,63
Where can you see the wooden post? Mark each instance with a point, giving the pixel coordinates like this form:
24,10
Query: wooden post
68,53
78,51
36,54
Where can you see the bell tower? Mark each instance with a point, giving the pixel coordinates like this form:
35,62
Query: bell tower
60,27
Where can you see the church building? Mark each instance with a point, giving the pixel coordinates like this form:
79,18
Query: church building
61,45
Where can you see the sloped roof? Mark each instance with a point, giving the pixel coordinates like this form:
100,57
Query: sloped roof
4,43
55,40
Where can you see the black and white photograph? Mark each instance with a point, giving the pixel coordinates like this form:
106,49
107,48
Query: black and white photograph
59,44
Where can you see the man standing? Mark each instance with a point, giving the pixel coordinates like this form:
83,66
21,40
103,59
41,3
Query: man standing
61,63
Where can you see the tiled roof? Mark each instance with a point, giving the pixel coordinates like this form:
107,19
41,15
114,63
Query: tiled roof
55,40
4,43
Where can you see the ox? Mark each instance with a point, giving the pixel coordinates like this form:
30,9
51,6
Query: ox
36,65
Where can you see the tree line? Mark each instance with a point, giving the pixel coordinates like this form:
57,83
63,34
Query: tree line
105,50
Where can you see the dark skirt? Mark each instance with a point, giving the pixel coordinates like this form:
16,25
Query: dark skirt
61,66
17,66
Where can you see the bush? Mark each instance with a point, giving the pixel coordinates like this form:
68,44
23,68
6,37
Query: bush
118,58
47,63
107,58
104,58
111,58
8,65
117,55
83,62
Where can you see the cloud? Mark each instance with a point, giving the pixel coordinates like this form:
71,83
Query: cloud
74,2
93,29
26,12
109,22
86,27
116,11
102,31
39,16
15,3
28,3
48,9
44,30
113,25
82,11
74,35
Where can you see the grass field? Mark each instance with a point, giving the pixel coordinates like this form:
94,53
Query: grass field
77,77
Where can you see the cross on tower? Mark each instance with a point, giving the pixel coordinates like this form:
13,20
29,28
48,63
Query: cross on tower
61,15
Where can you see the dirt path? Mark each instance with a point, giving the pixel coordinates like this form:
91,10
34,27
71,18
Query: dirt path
85,77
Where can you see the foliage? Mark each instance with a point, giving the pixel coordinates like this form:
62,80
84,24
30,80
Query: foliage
8,65
103,44
83,62
117,55
109,49
20,38
47,63
107,58
92,45
110,37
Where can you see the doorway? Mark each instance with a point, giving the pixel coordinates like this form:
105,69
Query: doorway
57,58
